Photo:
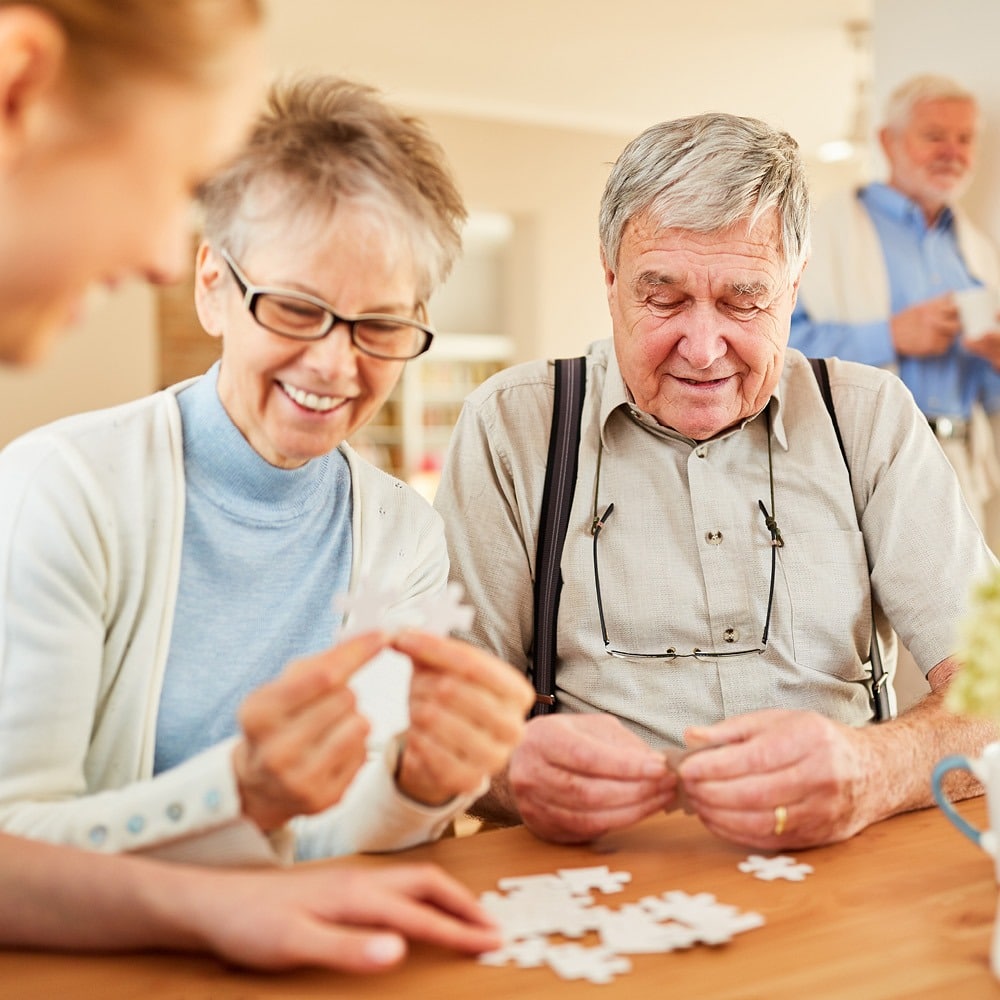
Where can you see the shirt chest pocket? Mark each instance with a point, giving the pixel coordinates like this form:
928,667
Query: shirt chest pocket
823,601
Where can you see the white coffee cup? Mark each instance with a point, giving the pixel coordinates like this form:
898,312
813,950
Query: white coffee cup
986,768
977,310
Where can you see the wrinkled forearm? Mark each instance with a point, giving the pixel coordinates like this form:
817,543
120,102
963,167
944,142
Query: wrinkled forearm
903,753
497,805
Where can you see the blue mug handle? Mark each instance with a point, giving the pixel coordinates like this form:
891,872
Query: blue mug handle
957,762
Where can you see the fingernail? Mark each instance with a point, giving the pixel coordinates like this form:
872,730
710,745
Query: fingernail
385,949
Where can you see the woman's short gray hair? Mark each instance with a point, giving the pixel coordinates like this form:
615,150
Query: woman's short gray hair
321,139
707,173
926,87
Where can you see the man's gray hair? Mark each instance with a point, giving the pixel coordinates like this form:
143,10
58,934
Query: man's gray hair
926,87
707,173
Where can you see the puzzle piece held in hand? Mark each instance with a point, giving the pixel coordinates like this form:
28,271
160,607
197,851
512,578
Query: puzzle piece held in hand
445,613
364,609
769,869
368,607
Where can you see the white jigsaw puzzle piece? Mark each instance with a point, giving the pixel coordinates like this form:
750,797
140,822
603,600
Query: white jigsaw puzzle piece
527,953
536,906
445,613
711,921
583,880
532,883
541,909
780,866
632,930
365,608
574,961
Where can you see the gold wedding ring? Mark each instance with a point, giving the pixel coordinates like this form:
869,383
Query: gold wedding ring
780,819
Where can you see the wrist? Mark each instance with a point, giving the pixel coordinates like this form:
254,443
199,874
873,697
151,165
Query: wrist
410,778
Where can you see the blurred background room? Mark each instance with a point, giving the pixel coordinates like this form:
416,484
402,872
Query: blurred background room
532,102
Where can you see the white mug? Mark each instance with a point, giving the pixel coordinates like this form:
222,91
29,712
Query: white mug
977,310
986,768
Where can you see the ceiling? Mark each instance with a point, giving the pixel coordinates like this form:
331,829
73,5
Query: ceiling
615,66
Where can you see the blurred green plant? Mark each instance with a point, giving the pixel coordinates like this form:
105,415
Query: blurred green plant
976,688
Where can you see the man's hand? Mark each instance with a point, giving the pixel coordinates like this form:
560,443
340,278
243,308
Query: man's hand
575,777
303,738
986,346
926,329
820,771
467,711
353,920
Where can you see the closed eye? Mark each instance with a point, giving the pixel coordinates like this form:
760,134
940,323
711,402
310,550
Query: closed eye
661,308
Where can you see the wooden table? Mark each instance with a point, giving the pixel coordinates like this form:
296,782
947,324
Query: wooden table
904,910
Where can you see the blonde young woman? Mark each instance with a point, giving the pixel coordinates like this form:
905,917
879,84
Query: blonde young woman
110,117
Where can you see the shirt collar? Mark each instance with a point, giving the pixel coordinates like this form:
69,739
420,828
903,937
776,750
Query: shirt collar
617,397
887,201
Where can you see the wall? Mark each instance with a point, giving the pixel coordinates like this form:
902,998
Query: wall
548,180
109,359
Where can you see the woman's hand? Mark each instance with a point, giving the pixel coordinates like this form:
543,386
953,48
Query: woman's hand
467,712
351,919
303,738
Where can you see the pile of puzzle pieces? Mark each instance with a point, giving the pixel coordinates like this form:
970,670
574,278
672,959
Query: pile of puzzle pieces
530,908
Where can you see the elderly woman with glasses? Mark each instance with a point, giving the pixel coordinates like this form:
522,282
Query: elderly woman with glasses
169,680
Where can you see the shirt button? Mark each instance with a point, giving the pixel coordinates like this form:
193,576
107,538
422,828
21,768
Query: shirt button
701,452
730,635
212,800
175,811
713,537
97,835
135,824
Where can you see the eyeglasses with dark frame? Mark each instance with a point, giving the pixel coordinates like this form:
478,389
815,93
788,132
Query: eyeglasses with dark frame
671,653
300,316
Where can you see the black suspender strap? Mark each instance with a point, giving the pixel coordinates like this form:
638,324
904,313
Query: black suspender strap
881,704
557,499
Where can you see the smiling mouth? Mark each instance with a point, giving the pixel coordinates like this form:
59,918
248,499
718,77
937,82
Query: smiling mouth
310,400
698,383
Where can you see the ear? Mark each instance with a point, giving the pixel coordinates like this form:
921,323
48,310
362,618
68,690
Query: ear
885,138
32,59
208,277
609,275
797,282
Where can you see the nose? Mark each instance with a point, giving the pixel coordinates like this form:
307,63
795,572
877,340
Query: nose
335,354
701,344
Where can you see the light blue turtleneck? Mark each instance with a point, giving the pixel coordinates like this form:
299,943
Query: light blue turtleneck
264,551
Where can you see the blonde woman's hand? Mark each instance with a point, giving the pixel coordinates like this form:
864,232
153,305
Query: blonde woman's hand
349,919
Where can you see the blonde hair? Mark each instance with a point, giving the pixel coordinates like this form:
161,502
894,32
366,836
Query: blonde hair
321,139
111,39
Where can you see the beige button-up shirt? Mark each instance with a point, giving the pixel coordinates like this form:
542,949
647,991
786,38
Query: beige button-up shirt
685,558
